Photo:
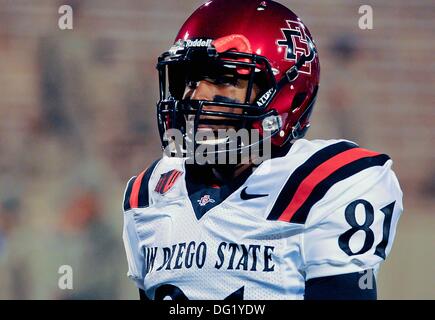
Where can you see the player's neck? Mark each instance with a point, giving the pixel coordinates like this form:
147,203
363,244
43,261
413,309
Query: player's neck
230,172
223,174
226,173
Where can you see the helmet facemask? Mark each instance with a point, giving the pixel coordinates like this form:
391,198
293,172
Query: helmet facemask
184,116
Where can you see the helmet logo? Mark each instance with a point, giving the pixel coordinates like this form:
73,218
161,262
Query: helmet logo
197,43
297,44
264,98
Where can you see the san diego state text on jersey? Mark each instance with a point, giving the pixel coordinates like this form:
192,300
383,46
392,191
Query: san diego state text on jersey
229,256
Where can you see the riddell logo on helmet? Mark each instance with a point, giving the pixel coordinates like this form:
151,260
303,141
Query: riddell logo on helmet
197,43
182,44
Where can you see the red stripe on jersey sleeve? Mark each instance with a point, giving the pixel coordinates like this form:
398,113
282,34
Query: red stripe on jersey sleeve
134,197
319,174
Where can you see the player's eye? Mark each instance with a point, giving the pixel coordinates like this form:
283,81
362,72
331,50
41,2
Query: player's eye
191,84
223,80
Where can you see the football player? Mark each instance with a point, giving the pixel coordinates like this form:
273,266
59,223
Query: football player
313,220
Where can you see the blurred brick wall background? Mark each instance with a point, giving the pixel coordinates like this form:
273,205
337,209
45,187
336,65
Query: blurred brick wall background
77,119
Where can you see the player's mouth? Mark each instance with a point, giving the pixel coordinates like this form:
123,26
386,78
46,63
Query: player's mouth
212,130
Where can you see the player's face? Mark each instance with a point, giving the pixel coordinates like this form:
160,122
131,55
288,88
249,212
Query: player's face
225,90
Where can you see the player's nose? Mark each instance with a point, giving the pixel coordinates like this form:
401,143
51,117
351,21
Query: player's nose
206,90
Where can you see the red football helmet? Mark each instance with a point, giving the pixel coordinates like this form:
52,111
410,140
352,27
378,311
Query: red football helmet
261,41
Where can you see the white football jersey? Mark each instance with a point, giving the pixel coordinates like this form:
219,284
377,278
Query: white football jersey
325,208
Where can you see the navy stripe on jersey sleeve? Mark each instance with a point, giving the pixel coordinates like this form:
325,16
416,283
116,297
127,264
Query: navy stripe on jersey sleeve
128,193
343,173
309,183
302,172
142,195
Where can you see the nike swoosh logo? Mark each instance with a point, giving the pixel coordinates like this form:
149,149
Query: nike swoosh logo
247,196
